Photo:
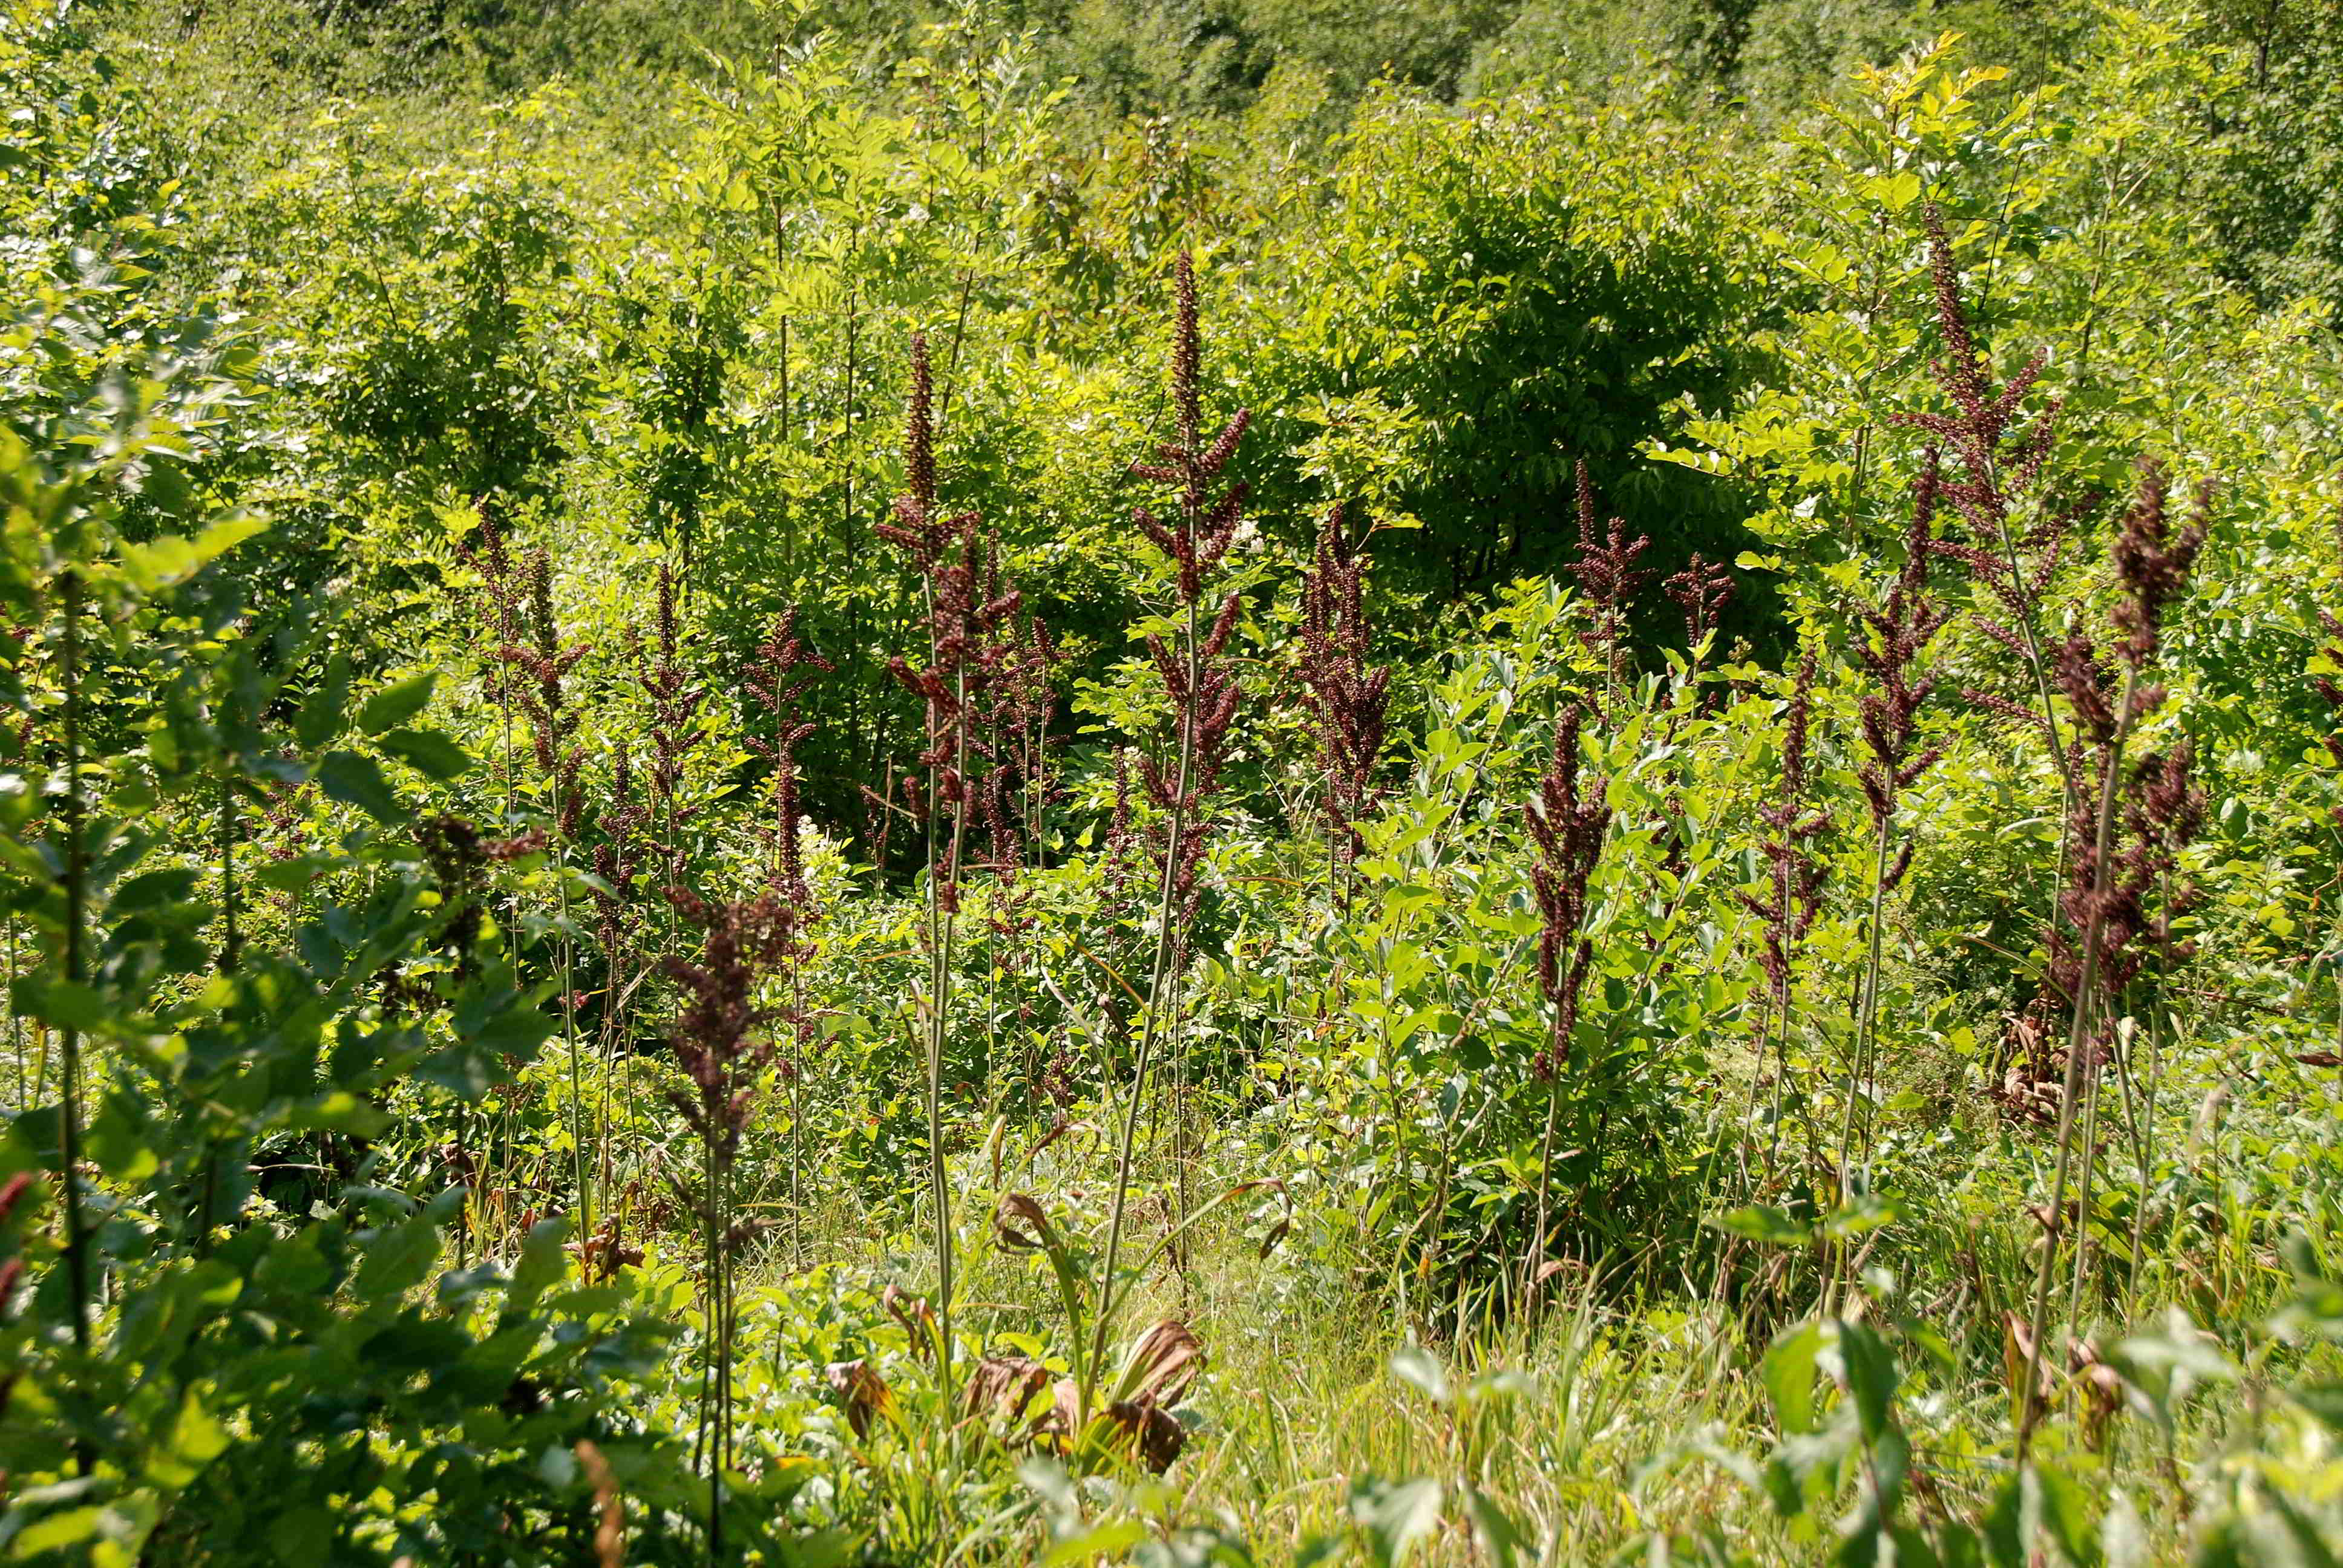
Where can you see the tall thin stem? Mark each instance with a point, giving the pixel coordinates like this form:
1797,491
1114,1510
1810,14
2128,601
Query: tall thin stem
1867,1016
76,892
1157,985
2078,1033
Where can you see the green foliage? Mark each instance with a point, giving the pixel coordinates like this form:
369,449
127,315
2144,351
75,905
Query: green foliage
418,420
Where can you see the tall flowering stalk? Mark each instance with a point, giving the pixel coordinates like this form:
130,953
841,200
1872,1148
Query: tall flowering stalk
1888,716
2017,531
720,1039
965,658
1348,700
783,667
1701,592
674,701
1203,694
544,665
1794,877
2161,819
503,591
1015,795
1606,570
2100,903
619,857
1567,824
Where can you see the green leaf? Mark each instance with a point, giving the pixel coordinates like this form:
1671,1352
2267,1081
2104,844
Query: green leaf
326,709
197,1439
1395,1517
171,559
1501,1539
357,780
400,1260
1760,1223
541,1267
394,706
1871,1375
1866,1211
303,1538
1416,1365
2065,1513
1788,1371
429,751
1114,1539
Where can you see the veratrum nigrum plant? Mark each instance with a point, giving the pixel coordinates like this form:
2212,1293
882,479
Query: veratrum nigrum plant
1796,875
971,621
543,699
1203,694
1606,570
137,1378
1348,698
1897,636
1567,823
783,667
723,1039
2106,880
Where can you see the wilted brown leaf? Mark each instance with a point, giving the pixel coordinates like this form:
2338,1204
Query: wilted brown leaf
862,1391
1162,1364
1003,1388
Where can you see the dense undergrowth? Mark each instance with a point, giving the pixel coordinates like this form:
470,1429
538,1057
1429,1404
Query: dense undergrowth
1160,784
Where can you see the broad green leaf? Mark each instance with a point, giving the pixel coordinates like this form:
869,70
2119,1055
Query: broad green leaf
326,710
357,780
394,704
429,752
1414,1365
398,1259
1788,1373
1395,1517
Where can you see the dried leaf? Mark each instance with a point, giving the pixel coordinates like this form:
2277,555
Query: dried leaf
1003,1388
1020,1223
863,1392
1162,1364
918,1318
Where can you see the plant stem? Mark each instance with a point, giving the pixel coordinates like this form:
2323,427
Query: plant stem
2111,776
1158,987
76,890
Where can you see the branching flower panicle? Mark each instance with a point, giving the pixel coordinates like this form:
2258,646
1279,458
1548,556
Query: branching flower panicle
1566,826
1898,632
1606,570
784,666
1701,592
1348,700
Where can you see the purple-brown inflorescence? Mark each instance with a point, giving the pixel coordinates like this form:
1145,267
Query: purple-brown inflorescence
1566,826
2002,455
2152,562
718,1033
1606,570
544,665
505,592
778,676
674,701
1794,895
1347,699
1898,632
971,616
2156,812
1701,591
1202,687
1014,737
